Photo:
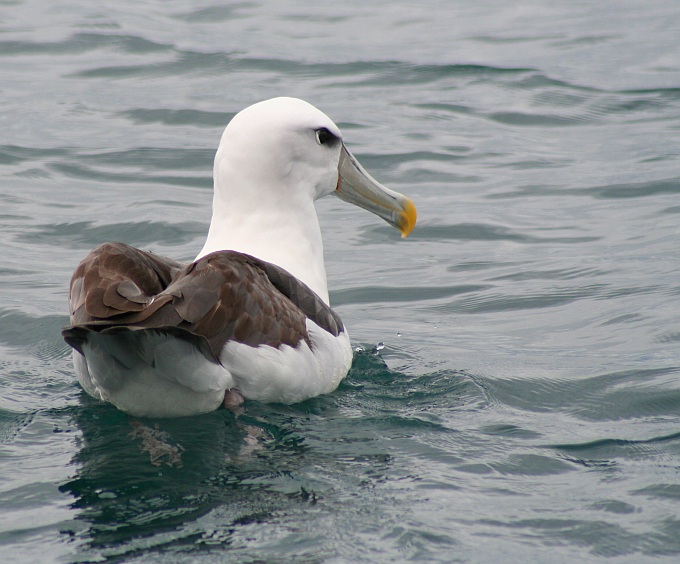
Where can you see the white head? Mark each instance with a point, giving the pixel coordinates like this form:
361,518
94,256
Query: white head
274,160
276,145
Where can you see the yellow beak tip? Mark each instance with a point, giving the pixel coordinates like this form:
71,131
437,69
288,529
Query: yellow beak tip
407,219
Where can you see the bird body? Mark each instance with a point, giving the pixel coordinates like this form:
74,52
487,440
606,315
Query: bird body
250,316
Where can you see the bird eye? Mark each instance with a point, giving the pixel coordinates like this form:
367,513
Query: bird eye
325,137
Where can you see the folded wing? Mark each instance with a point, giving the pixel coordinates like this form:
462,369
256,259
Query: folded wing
225,296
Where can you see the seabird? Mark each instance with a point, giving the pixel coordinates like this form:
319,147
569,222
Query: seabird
250,317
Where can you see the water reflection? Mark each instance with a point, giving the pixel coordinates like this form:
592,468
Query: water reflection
140,478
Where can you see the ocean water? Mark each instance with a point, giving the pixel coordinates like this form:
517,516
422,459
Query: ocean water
524,404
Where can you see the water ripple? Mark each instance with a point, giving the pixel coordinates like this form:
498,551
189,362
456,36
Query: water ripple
378,294
178,117
531,398
482,232
87,234
82,42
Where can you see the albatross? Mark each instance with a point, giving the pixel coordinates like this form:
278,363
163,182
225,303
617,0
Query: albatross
249,318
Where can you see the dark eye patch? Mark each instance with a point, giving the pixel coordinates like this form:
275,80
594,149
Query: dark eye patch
325,137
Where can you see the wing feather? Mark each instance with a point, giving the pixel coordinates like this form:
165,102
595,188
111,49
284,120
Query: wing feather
224,296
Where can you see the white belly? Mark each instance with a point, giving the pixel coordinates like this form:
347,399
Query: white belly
289,375
149,374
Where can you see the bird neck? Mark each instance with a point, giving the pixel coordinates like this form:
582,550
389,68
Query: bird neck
289,238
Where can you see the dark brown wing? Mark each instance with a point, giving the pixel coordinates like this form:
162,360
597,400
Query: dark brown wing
115,279
302,296
223,296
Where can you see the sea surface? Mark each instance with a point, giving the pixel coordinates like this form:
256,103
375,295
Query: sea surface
515,392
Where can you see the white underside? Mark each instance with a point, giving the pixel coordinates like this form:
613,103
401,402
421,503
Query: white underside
149,374
289,375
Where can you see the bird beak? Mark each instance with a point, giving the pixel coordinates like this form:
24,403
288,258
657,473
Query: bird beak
358,187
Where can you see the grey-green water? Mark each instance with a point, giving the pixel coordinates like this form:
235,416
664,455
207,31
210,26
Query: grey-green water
526,404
